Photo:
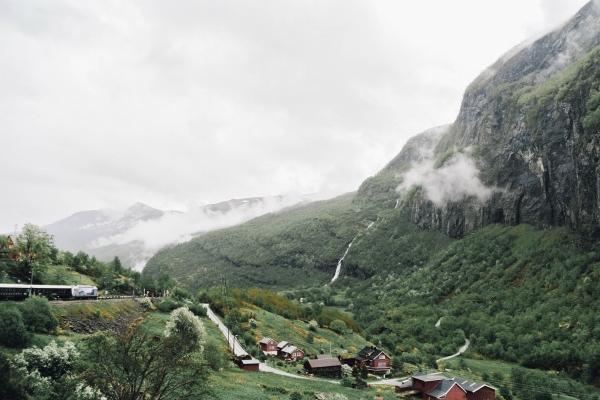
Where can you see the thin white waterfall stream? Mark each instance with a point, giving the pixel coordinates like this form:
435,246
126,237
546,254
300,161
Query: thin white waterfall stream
338,268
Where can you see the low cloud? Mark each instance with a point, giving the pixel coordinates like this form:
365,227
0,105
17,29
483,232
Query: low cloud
456,180
145,238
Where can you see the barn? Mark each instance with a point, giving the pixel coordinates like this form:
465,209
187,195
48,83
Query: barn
247,363
330,367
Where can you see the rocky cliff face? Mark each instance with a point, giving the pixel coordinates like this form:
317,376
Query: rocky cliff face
528,122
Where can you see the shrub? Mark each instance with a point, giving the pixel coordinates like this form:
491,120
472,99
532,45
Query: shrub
168,305
12,383
146,303
339,326
51,361
180,294
12,328
215,357
347,381
37,315
198,310
295,396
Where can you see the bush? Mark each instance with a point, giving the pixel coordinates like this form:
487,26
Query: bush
146,303
198,310
339,326
180,294
12,328
168,305
295,396
215,357
37,315
347,381
12,383
52,361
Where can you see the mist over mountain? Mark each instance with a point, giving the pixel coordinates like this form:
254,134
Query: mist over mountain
523,149
137,232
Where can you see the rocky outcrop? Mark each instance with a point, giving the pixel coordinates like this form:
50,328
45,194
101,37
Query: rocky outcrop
523,121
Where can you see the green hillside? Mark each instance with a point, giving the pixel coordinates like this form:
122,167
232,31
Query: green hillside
299,246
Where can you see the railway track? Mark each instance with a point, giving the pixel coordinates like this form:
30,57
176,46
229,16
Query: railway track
100,298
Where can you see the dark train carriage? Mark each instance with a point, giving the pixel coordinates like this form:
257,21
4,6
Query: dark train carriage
21,291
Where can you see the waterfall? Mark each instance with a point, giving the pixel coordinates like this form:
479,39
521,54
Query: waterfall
338,268
397,203
339,264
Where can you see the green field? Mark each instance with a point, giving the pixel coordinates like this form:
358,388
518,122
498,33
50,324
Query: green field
236,384
62,275
296,332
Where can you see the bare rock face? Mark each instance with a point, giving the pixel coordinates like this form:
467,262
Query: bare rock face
528,123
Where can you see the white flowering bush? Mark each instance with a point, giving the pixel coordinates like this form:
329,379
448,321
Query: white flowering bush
146,303
51,361
186,328
84,392
41,367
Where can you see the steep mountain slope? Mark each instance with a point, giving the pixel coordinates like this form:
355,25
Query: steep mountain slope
522,150
530,124
295,247
519,293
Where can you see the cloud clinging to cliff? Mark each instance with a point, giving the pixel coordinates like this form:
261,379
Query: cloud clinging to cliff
108,102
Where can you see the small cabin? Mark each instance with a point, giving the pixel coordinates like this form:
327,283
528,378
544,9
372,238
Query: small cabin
375,360
291,353
268,346
328,367
247,363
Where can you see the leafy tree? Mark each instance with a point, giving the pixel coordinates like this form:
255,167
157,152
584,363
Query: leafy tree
35,248
12,386
37,315
117,266
12,328
139,365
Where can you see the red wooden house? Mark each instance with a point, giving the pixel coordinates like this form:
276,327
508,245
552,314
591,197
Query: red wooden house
437,387
291,353
375,360
268,346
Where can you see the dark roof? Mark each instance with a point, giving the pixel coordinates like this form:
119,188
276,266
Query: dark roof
444,388
429,377
266,340
324,363
282,344
446,383
289,349
470,386
370,353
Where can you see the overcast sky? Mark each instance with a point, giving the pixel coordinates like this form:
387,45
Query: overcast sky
105,103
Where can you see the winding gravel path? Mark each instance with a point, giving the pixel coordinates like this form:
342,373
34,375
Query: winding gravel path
461,350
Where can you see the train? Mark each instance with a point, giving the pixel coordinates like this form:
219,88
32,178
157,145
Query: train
10,291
